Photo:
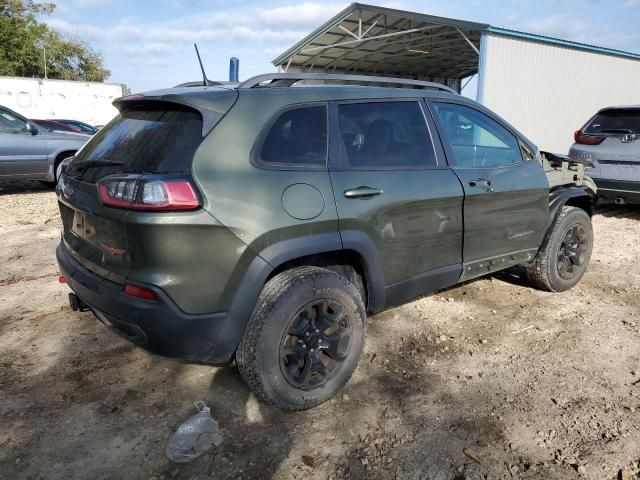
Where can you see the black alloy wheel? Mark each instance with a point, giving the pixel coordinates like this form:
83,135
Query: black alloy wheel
316,342
572,252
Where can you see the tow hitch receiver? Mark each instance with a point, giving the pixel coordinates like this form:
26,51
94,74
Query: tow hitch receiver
76,304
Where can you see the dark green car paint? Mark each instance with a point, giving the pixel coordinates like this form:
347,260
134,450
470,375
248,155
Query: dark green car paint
427,229
416,224
508,216
161,244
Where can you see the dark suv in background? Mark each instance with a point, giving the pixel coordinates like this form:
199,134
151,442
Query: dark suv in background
610,140
262,222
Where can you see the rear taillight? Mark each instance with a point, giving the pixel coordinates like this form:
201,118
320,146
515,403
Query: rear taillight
583,139
148,193
140,292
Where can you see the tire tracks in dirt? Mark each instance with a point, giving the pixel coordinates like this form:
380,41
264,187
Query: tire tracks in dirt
29,278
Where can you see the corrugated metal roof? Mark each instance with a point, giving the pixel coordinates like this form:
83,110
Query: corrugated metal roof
355,7
367,39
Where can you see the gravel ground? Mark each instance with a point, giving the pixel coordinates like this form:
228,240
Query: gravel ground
451,386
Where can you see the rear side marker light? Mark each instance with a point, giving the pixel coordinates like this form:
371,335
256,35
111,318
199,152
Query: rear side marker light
140,292
148,194
583,139
61,279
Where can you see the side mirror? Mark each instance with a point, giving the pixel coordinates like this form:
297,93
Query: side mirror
31,128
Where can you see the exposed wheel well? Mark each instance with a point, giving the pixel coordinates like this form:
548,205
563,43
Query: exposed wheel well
583,202
62,155
347,263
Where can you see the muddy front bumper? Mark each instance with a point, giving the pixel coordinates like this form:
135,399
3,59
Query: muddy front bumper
158,326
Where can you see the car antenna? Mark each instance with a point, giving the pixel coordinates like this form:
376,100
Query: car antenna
205,80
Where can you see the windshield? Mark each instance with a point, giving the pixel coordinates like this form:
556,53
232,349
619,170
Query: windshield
622,121
141,141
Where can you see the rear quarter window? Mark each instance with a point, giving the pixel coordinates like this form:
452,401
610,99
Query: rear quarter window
297,138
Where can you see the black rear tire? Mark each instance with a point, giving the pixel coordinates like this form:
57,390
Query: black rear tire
562,261
303,316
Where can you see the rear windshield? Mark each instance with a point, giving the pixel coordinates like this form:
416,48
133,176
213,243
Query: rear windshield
615,121
141,141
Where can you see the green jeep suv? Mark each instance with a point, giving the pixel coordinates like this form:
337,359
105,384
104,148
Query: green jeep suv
261,222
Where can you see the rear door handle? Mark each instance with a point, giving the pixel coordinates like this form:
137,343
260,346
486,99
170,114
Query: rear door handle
363,192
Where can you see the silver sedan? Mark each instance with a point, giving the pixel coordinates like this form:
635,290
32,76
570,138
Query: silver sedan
28,152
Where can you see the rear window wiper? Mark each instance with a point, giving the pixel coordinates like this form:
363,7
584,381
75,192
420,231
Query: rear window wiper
87,164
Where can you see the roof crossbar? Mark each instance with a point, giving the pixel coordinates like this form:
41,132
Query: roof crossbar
288,79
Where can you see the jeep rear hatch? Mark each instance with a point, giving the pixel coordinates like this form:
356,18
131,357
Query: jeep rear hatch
141,140
141,160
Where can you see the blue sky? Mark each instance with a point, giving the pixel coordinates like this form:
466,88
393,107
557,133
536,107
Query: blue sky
149,44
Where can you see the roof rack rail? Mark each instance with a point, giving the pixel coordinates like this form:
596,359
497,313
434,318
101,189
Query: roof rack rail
288,79
210,83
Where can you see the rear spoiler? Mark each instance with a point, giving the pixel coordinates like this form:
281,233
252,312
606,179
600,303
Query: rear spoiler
212,105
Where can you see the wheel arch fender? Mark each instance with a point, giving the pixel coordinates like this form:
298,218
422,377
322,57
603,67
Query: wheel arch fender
55,158
358,242
279,253
579,196
362,244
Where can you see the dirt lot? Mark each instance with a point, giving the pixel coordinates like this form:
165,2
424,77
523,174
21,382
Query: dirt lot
450,372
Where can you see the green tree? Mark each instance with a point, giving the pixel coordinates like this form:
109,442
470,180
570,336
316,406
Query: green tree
126,89
24,41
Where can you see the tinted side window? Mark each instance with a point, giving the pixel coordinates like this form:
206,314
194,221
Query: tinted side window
476,139
298,137
10,123
385,135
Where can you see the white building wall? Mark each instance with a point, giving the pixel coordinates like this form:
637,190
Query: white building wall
548,92
88,102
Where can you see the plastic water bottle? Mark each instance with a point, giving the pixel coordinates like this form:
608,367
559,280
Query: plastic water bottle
194,437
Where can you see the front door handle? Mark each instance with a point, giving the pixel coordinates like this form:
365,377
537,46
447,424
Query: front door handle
484,182
363,192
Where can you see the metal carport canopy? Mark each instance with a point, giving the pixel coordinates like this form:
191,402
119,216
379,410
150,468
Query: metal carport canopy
366,39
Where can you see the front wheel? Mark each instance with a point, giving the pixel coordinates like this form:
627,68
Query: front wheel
304,339
561,263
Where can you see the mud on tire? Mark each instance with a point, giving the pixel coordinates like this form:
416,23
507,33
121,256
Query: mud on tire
563,259
304,339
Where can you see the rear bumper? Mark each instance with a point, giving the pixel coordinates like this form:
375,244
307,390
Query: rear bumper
157,326
608,189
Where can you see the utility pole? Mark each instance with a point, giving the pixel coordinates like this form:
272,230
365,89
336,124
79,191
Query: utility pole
44,56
